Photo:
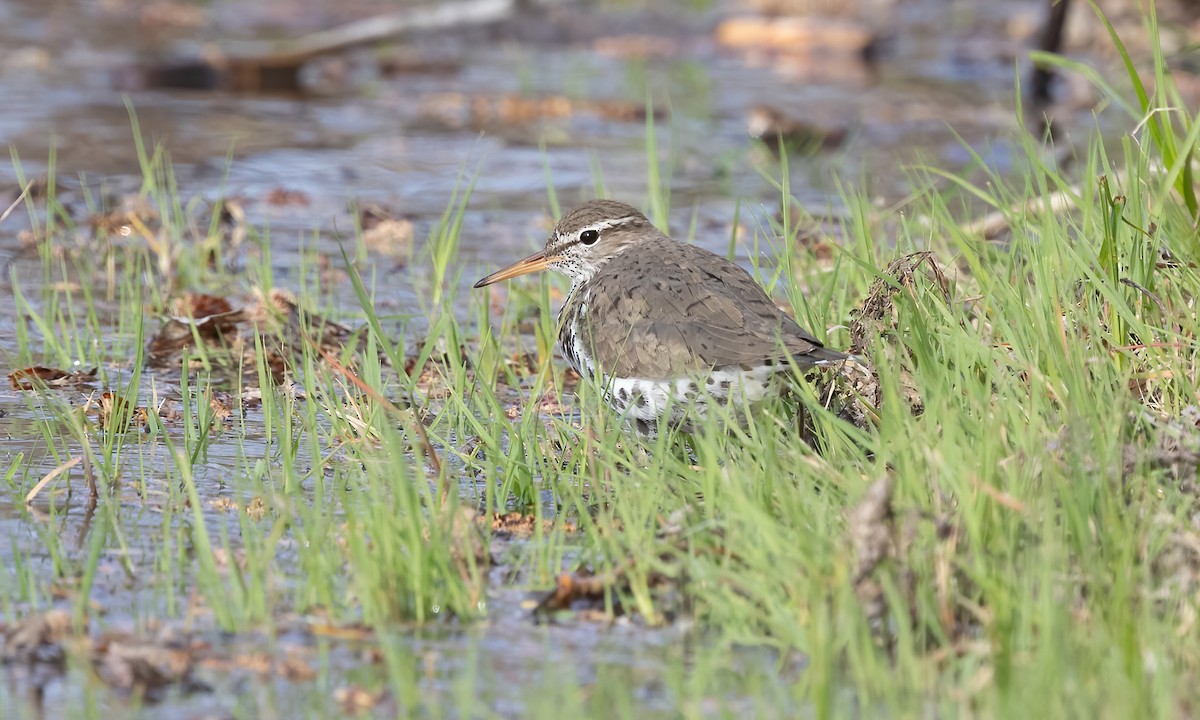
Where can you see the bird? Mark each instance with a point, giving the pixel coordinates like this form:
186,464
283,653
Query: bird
665,327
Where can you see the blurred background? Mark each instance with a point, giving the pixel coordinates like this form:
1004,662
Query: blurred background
295,108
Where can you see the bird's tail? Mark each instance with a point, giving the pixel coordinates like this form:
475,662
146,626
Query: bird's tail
825,356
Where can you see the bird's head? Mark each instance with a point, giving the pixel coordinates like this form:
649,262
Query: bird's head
584,239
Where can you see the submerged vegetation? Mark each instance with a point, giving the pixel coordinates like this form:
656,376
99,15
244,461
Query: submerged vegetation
998,512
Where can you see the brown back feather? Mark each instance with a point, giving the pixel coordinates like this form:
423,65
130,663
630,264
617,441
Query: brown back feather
671,309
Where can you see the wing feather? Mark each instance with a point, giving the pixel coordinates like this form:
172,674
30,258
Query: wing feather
687,311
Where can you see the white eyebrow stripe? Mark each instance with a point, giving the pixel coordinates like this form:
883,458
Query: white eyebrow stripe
606,224
598,225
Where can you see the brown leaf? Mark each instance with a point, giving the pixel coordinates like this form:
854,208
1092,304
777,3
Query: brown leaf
571,590
199,306
29,378
111,406
210,318
282,197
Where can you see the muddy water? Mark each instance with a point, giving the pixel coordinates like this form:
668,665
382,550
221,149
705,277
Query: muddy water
402,137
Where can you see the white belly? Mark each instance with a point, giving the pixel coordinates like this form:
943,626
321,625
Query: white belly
647,400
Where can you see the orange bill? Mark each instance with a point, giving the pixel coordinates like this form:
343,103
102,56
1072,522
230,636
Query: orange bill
534,263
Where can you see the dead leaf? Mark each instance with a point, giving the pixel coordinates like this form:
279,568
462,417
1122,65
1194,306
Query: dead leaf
572,590
31,377
282,197
112,408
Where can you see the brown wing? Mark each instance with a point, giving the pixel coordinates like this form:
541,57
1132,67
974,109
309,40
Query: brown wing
681,309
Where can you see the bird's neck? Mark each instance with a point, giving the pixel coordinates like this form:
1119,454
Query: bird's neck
569,329
575,296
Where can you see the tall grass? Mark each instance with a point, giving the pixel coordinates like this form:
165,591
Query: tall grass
1030,417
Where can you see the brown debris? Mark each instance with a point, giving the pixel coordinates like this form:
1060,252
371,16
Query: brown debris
576,591
883,547
200,307
132,216
1180,462
1177,450
296,669
796,34
818,234
112,408
280,313
282,197
467,544
784,134
877,316
224,504
355,699
1176,573
482,112
159,14
855,391
228,334
384,232
584,590
638,46
276,66
145,667
31,378
255,509
37,639
515,524
193,316
871,527
403,61
292,667
389,237
220,403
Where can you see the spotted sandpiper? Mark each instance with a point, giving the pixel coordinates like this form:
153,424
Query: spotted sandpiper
665,326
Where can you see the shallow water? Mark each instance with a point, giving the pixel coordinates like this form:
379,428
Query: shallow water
404,140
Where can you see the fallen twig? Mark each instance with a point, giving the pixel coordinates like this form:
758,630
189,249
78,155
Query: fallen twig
991,226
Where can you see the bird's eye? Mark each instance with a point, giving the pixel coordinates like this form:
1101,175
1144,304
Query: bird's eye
589,237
